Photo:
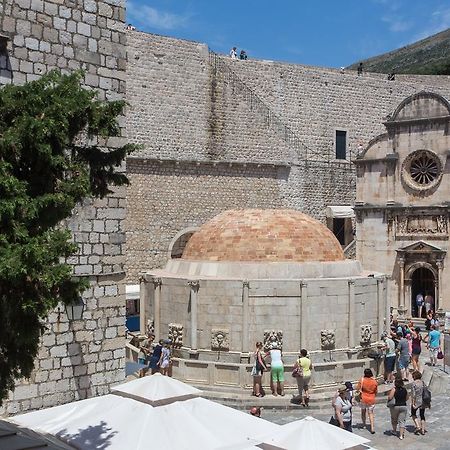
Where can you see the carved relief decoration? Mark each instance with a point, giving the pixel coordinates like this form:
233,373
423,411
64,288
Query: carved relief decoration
366,334
430,225
150,327
220,339
176,334
327,339
273,339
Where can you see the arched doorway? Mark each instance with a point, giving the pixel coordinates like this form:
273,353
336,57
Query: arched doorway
423,282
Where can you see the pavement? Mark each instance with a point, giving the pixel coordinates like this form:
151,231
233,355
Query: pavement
438,423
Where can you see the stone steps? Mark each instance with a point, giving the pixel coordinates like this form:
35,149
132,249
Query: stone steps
320,399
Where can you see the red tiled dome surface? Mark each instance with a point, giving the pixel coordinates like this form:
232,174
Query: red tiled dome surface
263,235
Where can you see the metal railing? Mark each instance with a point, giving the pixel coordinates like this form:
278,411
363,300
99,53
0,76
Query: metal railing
271,119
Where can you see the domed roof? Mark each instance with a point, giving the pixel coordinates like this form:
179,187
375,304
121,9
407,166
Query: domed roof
270,235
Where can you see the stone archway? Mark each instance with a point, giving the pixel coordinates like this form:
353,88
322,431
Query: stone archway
423,281
420,268
179,242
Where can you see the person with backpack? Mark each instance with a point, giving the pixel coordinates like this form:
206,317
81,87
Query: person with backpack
420,399
303,367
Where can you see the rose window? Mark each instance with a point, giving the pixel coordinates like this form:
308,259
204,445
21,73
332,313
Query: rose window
422,170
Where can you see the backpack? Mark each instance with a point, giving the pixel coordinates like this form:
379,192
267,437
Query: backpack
426,396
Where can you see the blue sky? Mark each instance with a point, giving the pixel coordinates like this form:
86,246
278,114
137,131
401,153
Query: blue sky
330,33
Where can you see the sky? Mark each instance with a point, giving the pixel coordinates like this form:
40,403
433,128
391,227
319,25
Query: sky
326,33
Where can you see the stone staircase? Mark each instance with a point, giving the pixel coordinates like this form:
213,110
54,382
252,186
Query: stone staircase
273,121
320,398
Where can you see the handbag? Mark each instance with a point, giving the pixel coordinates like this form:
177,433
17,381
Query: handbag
333,421
440,355
298,370
358,392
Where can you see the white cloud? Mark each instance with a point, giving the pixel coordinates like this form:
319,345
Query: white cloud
151,17
397,24
439,21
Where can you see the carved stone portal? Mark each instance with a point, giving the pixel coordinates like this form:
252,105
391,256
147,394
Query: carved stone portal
366,334
327,339
176,334
273,339
220,339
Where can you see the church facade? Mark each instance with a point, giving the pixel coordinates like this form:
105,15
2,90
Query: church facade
402,203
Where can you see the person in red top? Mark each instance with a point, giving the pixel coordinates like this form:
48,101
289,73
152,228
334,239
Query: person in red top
369,388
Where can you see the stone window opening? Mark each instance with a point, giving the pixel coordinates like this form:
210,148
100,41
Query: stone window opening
341,144
422,170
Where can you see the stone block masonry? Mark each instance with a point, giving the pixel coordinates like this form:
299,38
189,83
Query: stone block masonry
82,358
195,113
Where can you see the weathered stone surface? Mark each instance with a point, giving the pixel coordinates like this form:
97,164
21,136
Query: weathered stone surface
45,36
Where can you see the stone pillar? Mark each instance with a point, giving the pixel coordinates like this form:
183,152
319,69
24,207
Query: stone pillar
380,305
438,299
351,314
157,282
144,303
194,285
401,288
245,316
303,318
388,281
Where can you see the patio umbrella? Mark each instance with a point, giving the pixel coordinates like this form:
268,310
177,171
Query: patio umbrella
312,434
152,412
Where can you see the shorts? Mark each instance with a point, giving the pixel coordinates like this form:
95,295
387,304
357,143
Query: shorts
303,383
154,362
389,363
434,352
416,351
369,408
165,363
421,412
403,362
277,374
398,415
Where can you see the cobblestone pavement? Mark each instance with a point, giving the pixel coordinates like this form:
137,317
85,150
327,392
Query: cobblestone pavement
438,425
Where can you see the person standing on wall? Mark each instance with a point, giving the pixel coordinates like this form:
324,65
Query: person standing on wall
360,69
305,366
233,53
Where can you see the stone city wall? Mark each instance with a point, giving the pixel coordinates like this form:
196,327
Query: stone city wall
165,198
82,358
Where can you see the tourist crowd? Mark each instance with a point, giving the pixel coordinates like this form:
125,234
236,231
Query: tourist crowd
400,348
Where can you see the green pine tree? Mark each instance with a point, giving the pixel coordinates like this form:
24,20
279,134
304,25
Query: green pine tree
50,160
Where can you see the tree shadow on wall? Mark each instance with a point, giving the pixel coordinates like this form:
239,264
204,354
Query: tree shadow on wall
97,436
